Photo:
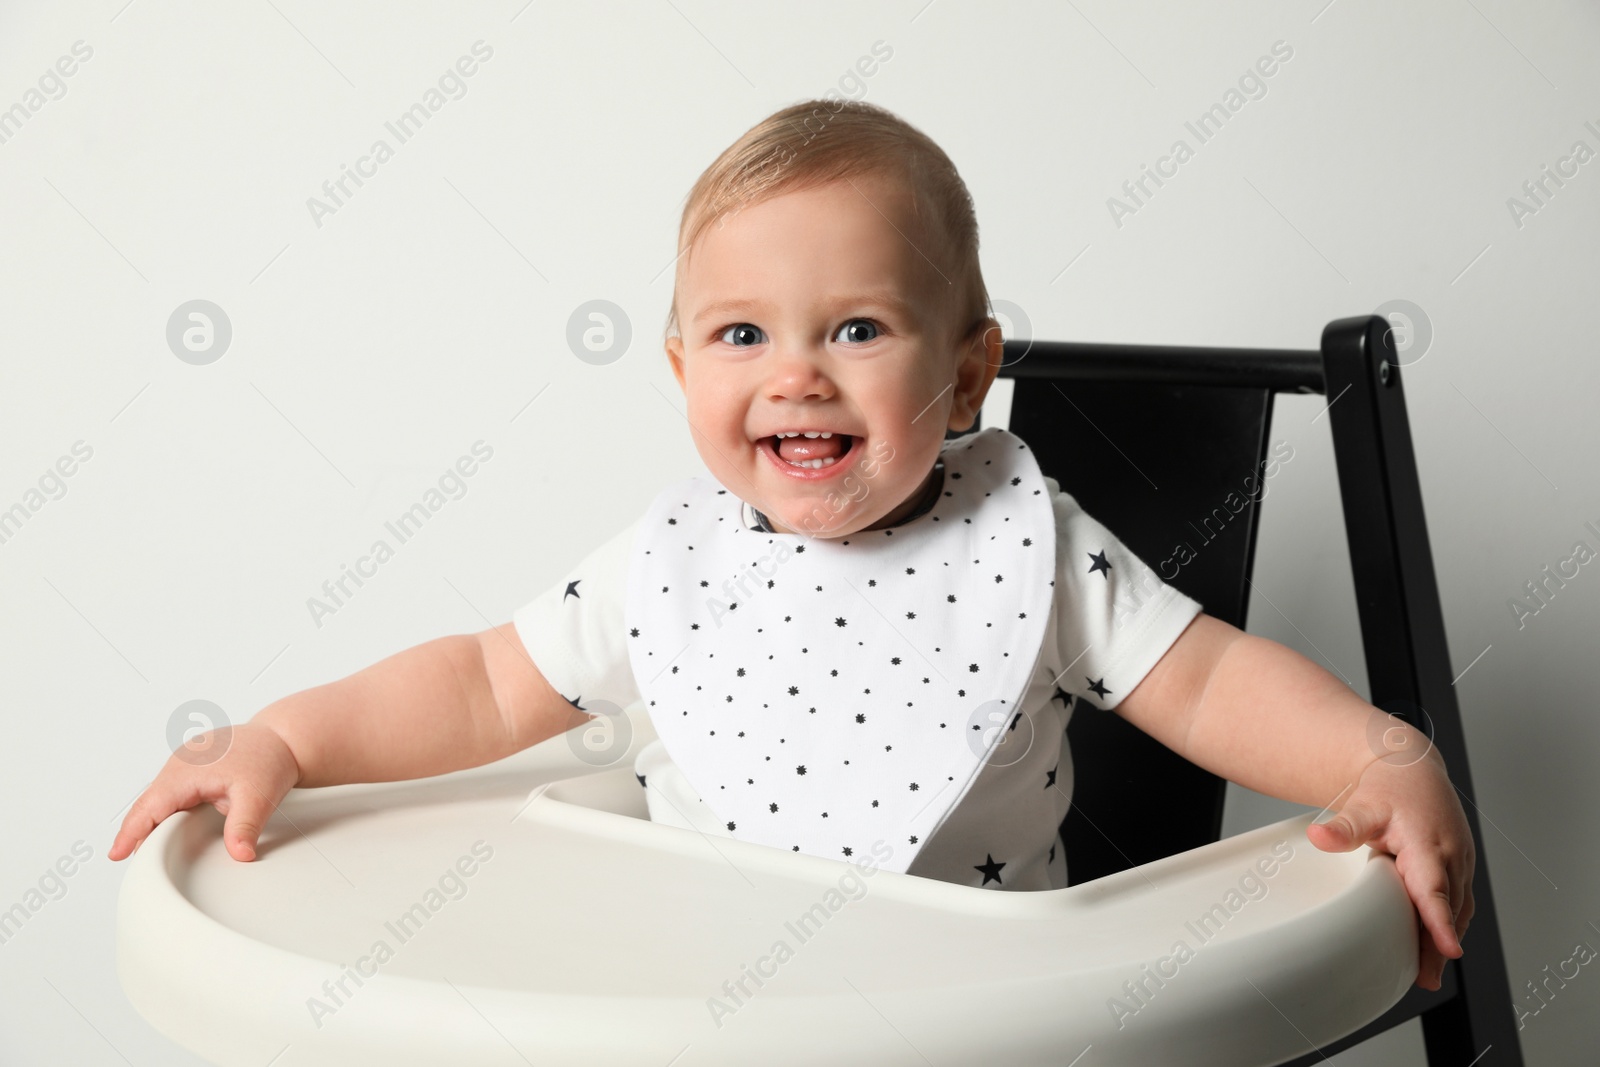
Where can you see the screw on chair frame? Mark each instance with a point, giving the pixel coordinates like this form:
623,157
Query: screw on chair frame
1132,778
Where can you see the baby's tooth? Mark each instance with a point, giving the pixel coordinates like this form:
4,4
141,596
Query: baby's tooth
813,463
811,433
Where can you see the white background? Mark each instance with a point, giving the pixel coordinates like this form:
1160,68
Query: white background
370,352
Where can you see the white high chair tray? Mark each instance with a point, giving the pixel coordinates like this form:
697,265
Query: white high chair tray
586,934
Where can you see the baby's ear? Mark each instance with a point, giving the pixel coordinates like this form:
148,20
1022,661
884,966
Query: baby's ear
674,349
989,344
992,339
982,335
980,355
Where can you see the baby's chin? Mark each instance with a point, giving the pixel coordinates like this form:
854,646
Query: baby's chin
831,528
829,520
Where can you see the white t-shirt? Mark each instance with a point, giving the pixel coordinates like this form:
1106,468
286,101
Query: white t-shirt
1112,619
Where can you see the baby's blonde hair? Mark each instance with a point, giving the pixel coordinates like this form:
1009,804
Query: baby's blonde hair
819,141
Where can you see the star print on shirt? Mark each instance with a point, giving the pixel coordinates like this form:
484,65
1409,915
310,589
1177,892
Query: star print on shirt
1050,776
1096,687
572,589
990,869
1101,564
1062,695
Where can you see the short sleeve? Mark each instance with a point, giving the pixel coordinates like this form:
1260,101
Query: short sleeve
1115,617
574,631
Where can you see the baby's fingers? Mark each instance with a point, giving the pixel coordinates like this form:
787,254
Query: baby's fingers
1440,922
1430,964
154,804
248,811
1464,915
1439,940
1429,888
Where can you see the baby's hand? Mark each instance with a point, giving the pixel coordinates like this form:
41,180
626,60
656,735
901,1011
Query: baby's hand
245,784
1410,811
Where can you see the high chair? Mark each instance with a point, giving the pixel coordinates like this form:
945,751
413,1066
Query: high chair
528,911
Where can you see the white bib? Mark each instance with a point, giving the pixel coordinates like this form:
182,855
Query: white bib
824,694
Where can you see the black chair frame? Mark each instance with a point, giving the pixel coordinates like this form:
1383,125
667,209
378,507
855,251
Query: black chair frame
1145,801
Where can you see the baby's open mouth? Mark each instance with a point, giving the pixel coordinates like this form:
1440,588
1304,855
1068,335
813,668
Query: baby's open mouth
809,449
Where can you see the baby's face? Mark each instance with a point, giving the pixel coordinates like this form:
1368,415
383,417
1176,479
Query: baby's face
826,310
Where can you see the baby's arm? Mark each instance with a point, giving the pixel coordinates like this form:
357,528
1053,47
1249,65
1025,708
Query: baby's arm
1264,716
444,705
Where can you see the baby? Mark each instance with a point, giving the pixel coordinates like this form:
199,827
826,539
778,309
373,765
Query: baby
854,640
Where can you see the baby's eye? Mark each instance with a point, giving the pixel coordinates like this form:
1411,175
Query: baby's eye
742,334
857,330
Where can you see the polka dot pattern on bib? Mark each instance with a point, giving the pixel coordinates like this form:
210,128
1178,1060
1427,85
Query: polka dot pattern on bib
825,694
